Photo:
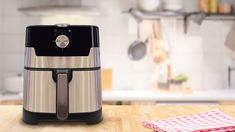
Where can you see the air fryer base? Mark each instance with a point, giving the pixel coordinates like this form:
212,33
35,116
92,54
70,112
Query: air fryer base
90,118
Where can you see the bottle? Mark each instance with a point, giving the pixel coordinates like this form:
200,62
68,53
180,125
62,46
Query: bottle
225,6
203,5
213,6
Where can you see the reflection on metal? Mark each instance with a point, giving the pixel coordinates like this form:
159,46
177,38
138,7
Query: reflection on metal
40,91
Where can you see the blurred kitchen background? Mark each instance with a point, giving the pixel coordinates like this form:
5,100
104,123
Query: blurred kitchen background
180,57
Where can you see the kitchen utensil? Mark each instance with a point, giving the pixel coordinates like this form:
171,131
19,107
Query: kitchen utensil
203,5
62,79
190,6
230,39
157,44
14,84
170,34
169,73
138,48
149,5
173,5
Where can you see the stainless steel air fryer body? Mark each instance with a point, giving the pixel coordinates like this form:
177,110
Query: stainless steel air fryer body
62,80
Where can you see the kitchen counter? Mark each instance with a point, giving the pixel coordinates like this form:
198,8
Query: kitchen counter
148,95
116,118
206,96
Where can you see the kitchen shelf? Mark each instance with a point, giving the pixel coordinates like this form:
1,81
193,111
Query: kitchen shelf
220,16
197,17
161,14
141,15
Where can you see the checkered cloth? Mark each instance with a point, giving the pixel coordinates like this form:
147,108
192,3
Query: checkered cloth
211,121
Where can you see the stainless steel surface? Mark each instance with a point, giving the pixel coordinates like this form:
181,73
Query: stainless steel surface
85,91
199,18
40,92
138,48
230,69
62,25
62,96
31,60
157,15
62,41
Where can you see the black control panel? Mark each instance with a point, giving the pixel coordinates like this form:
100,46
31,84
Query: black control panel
65,40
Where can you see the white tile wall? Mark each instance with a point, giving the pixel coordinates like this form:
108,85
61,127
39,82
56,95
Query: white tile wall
203,52
12,35
200,54
13,43
1,23
10,8
11,25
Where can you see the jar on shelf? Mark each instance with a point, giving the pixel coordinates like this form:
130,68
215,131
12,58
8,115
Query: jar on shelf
203,5
213,6
225,6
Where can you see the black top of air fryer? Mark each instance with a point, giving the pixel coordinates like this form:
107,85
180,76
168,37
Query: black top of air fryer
43,38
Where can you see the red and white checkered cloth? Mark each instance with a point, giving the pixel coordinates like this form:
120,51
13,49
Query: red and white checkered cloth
211,121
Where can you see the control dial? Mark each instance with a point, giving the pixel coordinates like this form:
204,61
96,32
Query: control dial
62,41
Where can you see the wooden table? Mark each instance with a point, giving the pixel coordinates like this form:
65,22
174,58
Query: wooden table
116,118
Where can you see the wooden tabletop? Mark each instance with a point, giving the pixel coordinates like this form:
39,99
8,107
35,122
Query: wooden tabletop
116,118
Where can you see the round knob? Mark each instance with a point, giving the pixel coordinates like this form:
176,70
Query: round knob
62,41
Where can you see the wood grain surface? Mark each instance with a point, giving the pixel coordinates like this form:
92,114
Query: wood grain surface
116,118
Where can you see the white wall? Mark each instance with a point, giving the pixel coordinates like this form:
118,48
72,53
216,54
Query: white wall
12,35
201,53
